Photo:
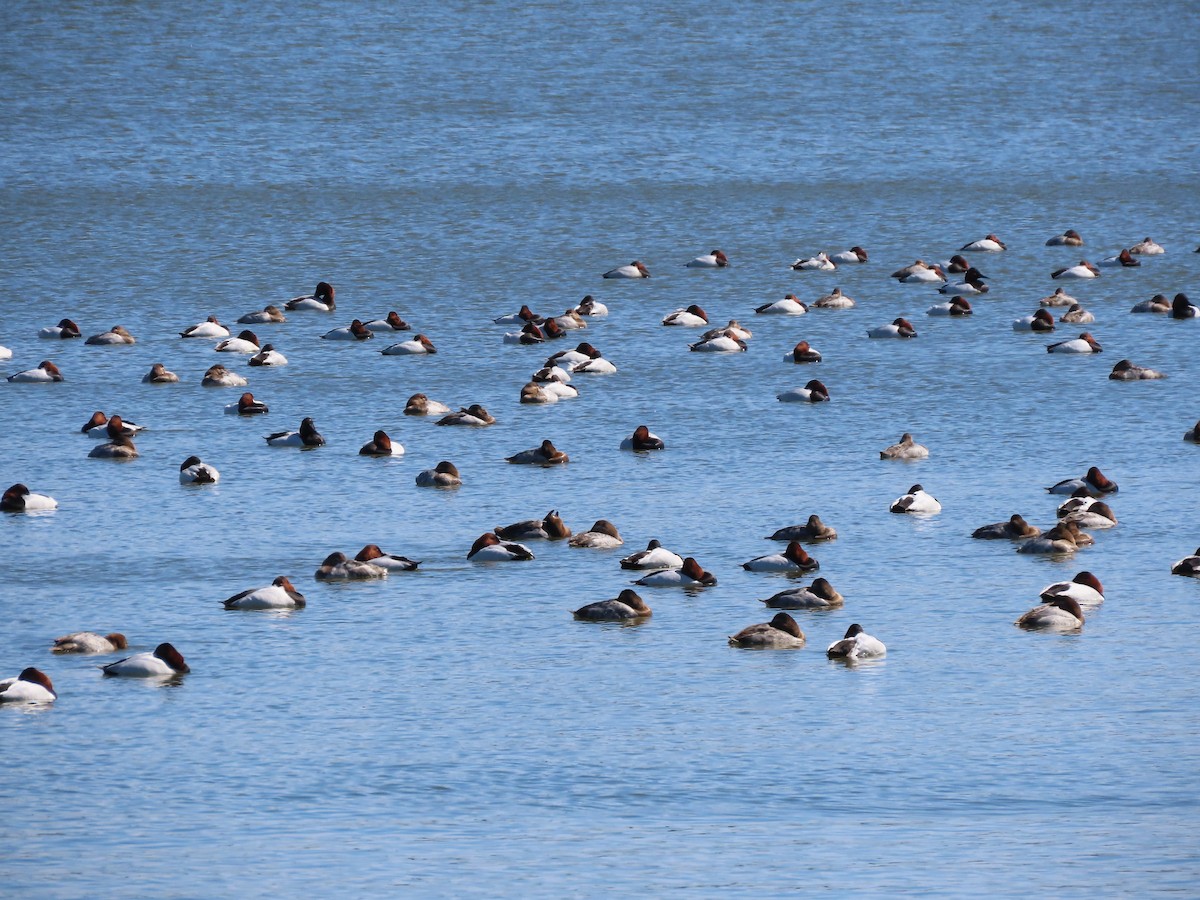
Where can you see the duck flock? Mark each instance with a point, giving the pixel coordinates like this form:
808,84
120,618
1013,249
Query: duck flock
1088,500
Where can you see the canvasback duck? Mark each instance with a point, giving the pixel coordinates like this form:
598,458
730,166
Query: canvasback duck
321,299
781,633
45,373
734,330
989,244
389,323
642,440
64,330
1084,270
415,347
955,306
355,331
790,305
1125,370
627,605
1081,499
1193,434
926,275
692,317
1188,566
714,260
31,686
1085,589
956,265
1085,343
1123,260
245,342
219,376
268,356
595,364
390,561
1181,308
529,334
89,642
1060,614
819,595
899,328
634,270
568,321
591,308
813,392
247,406
381,445
306,438
18,498
268,315
279,594
209,328
97,426
1016,528
523,316
443,475
165,661
856,644
1097,514
474,416
602,535
690,574
813,531
115,336
553,329
819,263
1077,315
1069,238
532,392
489,548
1094,482
834,300
1146,247
554,380
915,501
1040,321
906,449
337,567
655,556
119,444
544,455
1058,298
549,528
1060,539
723,342
803,353
917,266
158,374
420,405
1156,304
852,256
193,471
972,283
792,560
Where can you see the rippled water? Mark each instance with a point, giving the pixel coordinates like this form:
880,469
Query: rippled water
453,731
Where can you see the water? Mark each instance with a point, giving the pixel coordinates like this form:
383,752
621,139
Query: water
453,731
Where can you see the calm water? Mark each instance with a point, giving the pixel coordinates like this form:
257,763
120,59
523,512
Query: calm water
453,731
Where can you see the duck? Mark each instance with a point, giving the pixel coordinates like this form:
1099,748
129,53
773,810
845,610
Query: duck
819,595
337,567
19,498
565,359
856,644
1077,315
1156,304
906,449
551,527
1058,298
917,266
1188,566
209,328
1098,514
321,299
721,343
1016,528
1125,370
955,306
1081,499
634,270
119,444
31,686
523,316
591,308
899,328
306,438
532,392
1060,614
415,347
1059,539
64,330
555,380
544,455
956,265
852,256
569,321
1069,238
381,445
165,661
1085,589
989,244
89,642
972,283
835,299
925,275
390,561
1094,482
734,330
1193,434
915,501
474,416
268,315
713,260
1085,343
97,426
790,305
444,474
813,531
603,535
1181,308
642,440
781,633
690,574
813,392
594,365
819,263
692,317
793,559
45,373
803,353
268,356
421,405
1121,260
655,556
193,471
489,548
279,594
355,331
115,336
389,323
158,374
627,605
1146,247
247,406
1084,270
219,376
245,342
529,334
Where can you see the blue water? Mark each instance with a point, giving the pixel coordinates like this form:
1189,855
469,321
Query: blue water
454,731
